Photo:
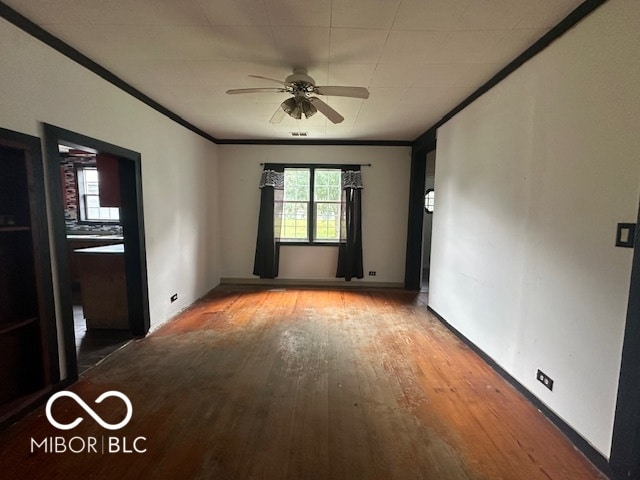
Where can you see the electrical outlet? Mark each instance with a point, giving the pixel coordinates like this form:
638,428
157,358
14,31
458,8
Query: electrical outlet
372,273
544,379
174,297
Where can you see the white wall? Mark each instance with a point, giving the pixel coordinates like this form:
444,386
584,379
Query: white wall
532,179
179,168
384,210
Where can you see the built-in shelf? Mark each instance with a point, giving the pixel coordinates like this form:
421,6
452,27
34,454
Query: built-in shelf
24,367
11,326
15,228
9,411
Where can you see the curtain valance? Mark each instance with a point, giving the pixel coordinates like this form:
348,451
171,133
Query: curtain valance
271,178
352,179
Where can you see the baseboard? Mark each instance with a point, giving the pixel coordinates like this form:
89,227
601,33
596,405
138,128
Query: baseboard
593,455
291,282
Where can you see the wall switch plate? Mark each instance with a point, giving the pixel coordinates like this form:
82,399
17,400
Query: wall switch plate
174,297
544,379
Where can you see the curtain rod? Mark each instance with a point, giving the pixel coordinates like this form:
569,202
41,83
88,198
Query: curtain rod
328,165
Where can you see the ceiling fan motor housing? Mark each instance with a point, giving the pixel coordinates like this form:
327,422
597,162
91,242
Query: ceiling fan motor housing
299,83
299,76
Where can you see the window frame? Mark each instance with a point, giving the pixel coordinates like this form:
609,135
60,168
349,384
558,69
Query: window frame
311,220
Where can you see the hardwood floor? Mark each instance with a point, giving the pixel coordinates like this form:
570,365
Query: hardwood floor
300,384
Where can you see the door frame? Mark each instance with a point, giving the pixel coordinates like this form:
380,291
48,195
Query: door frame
133,228
625,443
415,222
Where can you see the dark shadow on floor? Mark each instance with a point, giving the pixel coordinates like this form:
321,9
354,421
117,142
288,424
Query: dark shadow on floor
92,346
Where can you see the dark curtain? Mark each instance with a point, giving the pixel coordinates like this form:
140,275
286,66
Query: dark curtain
266,261
350,248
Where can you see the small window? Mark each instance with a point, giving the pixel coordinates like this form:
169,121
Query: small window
429,199
89,198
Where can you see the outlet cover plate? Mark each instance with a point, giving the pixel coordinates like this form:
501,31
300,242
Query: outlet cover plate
544,379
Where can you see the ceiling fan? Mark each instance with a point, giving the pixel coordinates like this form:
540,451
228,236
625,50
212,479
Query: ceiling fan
302,87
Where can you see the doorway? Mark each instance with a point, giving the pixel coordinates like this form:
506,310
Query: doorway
99,250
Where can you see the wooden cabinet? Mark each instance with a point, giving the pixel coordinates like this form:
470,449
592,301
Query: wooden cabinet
76,242
109,180
23,352
103,287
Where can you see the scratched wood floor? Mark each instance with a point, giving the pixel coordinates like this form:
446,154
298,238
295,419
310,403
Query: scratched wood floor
301,384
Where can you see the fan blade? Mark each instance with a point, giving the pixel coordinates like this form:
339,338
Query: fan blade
354,92
326,110
278,115
256,90
270,79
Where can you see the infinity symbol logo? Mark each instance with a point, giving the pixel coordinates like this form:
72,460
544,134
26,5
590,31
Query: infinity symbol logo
89,410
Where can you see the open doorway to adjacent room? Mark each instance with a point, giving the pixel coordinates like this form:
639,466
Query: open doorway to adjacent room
96,204
95,241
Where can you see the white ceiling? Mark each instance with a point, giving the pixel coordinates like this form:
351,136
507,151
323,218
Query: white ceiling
418,58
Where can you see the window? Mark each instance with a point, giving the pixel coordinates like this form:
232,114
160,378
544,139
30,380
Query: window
326,207
429,200
89,198
311,205
295,206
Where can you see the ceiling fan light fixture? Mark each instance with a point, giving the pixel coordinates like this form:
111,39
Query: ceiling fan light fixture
307,108
298,106
291,107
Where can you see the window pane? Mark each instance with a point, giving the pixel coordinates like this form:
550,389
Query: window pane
294,221
90,174
327,221
93,201
322,193
296,184
114,213
301,193
327,185
91,188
